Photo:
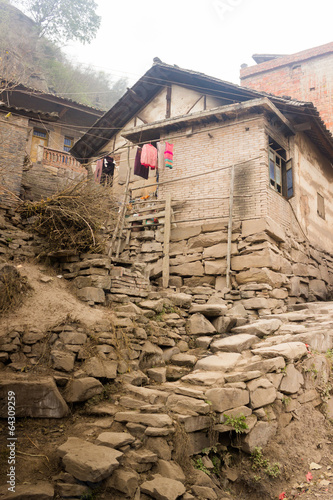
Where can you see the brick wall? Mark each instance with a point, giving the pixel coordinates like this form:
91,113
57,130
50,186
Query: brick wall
240,141
13,140
306,76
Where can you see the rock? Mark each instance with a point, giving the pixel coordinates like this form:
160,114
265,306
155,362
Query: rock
223,399
159,446
219,362
88,462
154,305
253,226
234,343
190,269
184,360
318,289
62,360
260,303
215,267
82,389
260,328
261,275
162,488
183,300
100,368
267,365
262,392
223,324
292,380
266,258
199,325
70,490
38,397
115,439
73,338
126,481
194,423
180,404
148,419
204,377
208,240
290,351
171,470
39,491
204,492
157,374
242,376
209,309
91,294
259,436
159,431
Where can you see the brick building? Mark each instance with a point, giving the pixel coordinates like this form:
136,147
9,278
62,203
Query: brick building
283,176
37,129
306,76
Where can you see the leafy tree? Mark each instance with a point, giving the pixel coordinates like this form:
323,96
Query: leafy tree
63,20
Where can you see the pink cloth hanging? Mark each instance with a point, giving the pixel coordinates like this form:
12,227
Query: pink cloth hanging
168,155
149,156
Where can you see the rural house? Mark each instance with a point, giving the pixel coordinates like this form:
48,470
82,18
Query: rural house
306,75
250,186
37,130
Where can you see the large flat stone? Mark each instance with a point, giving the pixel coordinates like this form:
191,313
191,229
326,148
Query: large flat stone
100,368
234,343
88,462
267,225
163,488
148,419
37,398
184,233
260,328
115,439
190,269
290,351
219,362
292,380
258,436
39,491
209,309
261,275
179,404
223,399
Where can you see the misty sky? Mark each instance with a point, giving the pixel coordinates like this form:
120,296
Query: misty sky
211,36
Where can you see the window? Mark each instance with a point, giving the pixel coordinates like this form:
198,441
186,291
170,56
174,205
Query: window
320,206
280,170
40,133
68,143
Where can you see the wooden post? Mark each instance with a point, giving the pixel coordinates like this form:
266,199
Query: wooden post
121,218
166,243
231,202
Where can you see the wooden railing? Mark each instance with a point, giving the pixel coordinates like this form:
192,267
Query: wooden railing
60,159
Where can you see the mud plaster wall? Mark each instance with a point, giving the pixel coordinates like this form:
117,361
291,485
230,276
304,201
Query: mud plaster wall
312,174
13,140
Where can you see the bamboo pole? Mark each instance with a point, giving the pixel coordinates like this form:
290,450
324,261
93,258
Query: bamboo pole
231,202
166,244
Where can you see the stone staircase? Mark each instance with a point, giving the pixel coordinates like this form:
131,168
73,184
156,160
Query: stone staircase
179,365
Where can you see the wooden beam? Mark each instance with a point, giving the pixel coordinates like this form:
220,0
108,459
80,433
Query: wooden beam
166,244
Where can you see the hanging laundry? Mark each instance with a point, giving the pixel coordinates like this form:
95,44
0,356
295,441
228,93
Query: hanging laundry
140,169
160,155
98,171
168,155
107,170
149,156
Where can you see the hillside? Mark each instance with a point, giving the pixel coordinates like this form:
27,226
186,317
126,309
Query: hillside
141,398
40,64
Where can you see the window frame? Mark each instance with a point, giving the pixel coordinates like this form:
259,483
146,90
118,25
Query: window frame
66,147
280,170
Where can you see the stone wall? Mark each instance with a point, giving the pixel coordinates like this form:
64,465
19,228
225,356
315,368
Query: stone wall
269,268
41,181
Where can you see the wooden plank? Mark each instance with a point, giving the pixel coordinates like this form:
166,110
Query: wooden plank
231,201
166,244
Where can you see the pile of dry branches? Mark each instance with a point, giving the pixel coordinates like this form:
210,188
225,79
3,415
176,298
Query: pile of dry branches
72,219
12,287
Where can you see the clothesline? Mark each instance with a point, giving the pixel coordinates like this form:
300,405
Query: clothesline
195,175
